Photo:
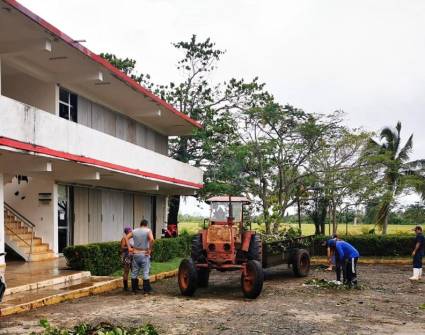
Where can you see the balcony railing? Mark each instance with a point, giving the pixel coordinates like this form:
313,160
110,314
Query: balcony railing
32,129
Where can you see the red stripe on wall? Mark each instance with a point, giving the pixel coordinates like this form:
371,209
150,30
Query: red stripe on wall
7,142
96,58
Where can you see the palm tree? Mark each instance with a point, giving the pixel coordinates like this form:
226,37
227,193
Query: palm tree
399,173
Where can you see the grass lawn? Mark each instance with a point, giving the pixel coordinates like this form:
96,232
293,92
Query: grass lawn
193,227
158,267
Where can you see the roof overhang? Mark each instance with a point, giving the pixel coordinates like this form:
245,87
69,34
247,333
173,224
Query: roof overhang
33,45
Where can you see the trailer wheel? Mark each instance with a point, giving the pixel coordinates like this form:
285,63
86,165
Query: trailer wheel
197,252
254,250
252,282
187,277
203,277
301,263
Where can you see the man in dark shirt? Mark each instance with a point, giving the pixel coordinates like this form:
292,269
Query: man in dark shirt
418,253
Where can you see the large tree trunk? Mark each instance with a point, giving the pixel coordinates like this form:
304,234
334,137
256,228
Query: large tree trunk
385,226
334,225
173,209
299,214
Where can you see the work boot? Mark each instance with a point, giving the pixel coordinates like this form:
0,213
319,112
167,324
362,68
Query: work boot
415,274
125,285
147,288
135,285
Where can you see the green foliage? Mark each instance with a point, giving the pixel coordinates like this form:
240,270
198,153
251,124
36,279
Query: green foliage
166,249
100,329
398,173
103,259
374,245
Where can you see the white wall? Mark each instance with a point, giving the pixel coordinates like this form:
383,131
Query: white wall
1,219
31,125
42,214
27,89
161,213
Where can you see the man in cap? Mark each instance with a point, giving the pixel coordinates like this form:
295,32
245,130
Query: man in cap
345,255
418,253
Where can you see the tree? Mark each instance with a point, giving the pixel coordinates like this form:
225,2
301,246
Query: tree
397,172
338,168
200,99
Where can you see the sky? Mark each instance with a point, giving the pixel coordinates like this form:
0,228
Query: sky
365,57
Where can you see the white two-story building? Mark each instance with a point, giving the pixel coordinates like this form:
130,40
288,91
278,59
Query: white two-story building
83,147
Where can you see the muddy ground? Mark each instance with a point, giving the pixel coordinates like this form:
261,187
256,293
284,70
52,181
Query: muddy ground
387,304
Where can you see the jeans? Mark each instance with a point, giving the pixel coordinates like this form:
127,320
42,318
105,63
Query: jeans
140,262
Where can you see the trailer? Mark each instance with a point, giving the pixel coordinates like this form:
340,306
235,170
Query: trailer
226,244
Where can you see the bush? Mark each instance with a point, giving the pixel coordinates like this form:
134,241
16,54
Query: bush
373,245
103,259
100,329
168,248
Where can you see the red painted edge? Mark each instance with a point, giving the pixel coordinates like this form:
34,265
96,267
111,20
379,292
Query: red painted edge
7,142
96,58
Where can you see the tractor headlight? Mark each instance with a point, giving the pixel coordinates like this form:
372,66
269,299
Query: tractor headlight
211,247
226,247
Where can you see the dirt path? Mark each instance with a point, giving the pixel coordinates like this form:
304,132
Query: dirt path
388,304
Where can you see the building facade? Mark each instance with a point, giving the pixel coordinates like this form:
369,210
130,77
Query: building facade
83,148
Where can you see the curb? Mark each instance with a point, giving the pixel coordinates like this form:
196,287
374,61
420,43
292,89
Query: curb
368,261
96,288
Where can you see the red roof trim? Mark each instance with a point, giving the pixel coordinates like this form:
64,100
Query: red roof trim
121,75
7,142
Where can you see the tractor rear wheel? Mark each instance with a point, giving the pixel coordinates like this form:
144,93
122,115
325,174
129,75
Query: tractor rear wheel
301,263
252,281
254,251
187,277
197,251
203,277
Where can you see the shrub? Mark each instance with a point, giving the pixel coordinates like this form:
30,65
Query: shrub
373,245
103,259
101,328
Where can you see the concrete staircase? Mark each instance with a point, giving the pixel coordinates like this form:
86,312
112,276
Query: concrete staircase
20,236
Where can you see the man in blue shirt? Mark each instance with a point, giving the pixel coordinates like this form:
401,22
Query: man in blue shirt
346,255
418,253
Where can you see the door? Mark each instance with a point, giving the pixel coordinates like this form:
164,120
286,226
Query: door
65,199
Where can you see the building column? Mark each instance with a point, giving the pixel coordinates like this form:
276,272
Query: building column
55,199
2,240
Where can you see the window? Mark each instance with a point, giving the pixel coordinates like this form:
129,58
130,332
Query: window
67,105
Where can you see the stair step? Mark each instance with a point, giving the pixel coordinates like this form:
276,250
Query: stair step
35,248
42,256
25,237
35,241
19,230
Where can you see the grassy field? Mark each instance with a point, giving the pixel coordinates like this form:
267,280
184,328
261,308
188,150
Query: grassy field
308,229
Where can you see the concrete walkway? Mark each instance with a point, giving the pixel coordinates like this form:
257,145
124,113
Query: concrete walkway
19,273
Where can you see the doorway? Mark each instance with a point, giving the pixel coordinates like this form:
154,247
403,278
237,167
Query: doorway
65,226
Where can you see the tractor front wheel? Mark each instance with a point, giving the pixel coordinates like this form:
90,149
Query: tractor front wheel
187,277
252,279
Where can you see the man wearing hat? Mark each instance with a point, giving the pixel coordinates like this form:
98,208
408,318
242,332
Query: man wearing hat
418,253
346,256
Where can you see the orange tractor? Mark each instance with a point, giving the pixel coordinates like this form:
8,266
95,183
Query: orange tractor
225,244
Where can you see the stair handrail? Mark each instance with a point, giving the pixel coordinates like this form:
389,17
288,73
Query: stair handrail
19,216
25,221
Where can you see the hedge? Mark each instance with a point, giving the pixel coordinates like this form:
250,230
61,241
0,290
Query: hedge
103,259
373,245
